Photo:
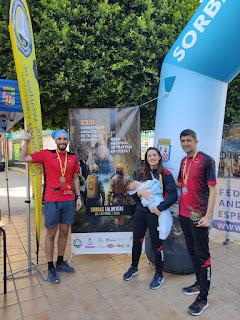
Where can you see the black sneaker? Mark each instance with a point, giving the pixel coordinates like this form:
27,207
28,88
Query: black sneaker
132,272
198,306
157,281
191,290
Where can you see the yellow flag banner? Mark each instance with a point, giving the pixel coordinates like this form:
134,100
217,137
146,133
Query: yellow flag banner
21,35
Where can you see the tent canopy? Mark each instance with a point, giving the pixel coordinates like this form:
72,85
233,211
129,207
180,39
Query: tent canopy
10,104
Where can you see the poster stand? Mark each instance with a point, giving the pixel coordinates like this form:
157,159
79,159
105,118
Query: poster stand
31,264
6,171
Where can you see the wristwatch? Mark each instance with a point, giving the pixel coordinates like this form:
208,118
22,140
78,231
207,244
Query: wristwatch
78,196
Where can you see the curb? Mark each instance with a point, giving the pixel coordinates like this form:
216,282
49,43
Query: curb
19,170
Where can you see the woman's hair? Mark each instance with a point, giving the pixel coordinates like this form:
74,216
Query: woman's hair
146,167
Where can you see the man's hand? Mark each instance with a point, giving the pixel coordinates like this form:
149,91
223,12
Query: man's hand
203,222
78,204
27,135
155,210
24,157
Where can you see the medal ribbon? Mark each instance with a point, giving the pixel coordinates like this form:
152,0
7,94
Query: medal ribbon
187,171
64,167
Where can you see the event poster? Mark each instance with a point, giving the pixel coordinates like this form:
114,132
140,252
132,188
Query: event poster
226,216
107,144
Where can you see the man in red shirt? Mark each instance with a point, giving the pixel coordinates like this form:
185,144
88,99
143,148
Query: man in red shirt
61,188
197,180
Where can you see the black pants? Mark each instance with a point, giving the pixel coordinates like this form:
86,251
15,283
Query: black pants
144,219
198,247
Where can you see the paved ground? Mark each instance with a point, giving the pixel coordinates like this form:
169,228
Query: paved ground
17,192
97,290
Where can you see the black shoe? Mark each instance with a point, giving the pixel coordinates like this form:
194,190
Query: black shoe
198,306
157,281
132,272
191,290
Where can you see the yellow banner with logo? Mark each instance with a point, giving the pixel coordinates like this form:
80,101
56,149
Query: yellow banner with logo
21,35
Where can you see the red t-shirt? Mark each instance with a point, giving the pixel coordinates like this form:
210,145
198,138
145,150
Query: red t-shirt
201,175
53,189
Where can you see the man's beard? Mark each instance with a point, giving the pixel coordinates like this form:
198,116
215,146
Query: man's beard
62,147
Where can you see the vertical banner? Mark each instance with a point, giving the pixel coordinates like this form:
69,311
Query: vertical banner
107,143
226,216
21,35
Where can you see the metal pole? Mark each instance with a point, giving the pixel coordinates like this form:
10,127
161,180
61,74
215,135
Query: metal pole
6,170
28,201
4,260
31,265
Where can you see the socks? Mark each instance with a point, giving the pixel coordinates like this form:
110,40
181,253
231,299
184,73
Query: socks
60,259
50,265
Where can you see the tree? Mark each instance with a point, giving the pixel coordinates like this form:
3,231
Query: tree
232,113
100,53
7,68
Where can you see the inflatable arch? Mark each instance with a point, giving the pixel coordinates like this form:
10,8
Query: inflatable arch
192,94
194,80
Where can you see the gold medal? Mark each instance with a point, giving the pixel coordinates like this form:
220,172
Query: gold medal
62,180
63,168
184,190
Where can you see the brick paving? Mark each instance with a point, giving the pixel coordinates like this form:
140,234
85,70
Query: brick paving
96,290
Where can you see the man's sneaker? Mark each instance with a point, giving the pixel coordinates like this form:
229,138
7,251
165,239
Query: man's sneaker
52,276
198,306
132,272
191,290
64,267
157,281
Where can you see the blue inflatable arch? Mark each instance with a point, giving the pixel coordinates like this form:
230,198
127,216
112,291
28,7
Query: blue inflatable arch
194,80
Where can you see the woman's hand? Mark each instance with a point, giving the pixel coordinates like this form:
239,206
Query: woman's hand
145,194
155,210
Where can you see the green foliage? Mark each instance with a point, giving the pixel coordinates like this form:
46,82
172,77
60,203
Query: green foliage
7,68
232,114
101,53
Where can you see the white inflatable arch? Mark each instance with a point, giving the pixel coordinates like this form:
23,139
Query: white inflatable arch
194,80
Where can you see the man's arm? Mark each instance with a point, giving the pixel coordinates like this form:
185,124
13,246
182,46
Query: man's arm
77,191
179,178
24,157
204,221
178,183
